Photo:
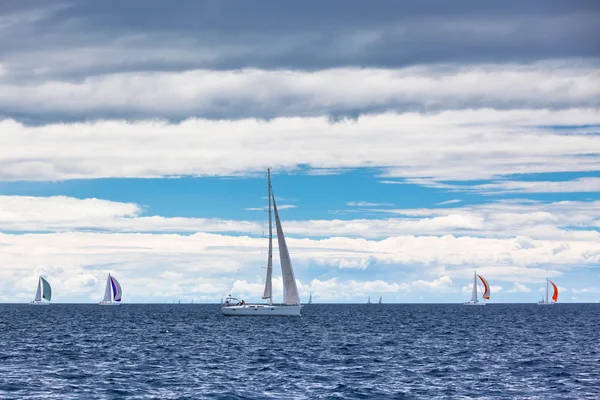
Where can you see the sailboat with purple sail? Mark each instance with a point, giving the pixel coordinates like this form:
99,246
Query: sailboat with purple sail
112,292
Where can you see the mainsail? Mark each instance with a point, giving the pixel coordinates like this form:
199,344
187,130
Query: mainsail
47,291
555,294
486,288
107,291
474,293
38,293
290,290
268,293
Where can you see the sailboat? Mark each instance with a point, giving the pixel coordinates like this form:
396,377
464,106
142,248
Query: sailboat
310,299
554,295
111,298
369,300
379,302
291,299
44,292
486,292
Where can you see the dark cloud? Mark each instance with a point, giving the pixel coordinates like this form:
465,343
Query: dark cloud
157,35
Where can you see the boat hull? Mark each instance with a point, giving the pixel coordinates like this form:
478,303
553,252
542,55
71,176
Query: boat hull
261,310
470,303
38,303
545,304
108,303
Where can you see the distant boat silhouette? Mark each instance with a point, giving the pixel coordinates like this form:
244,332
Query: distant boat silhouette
369,300
310,299
44,292
554,295
379,302
486,292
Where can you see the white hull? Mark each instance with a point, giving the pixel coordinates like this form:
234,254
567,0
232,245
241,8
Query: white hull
471,303
262,310
108,303
38,303
543,303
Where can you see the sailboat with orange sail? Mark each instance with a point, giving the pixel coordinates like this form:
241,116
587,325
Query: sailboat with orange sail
474,296
547,302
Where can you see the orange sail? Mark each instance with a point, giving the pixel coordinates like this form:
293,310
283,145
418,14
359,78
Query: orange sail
555,295
486,288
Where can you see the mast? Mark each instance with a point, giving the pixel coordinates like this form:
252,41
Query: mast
546,290
268,293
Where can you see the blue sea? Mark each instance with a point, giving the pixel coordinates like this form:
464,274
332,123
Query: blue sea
389,351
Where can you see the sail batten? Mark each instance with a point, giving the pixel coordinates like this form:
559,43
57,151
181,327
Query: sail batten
290,289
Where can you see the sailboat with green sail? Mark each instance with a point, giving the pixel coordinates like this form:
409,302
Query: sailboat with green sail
43,293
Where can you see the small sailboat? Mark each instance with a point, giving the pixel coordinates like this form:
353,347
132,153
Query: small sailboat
379,302
291,299
554,295
111,297
310,299
44,292
369,300
474,296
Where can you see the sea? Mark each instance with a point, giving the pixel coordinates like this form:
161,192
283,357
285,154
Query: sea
334,351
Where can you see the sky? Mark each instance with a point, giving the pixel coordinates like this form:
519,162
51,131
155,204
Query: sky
411,144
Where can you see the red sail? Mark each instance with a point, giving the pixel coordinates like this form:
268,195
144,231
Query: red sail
555,295
486,288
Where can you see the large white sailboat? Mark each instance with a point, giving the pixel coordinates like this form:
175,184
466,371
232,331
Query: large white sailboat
44,292
474,296
291,299
554,295
112,292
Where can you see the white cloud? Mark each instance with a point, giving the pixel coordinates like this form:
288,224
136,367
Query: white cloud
366,204
542,85
467,144
519,288
448,202
590,184
441,284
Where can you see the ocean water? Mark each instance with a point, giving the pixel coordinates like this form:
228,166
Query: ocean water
332,351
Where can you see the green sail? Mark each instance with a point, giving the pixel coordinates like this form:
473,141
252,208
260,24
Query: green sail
47,291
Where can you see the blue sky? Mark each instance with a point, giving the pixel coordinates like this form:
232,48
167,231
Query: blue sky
411,144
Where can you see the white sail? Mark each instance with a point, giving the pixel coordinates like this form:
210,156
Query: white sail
379,302
474,294
107,290
310,299
290,290
47,291
116,289
369,300
268,293
38,293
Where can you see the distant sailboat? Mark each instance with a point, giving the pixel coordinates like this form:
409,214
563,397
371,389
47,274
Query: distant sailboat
554,295
474,297
111,297
310,299
369,300
379,302
44,292
291,299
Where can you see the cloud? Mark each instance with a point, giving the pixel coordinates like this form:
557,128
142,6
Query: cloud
366,204
465,143
281,207
519,288
279,93
441,284
448,202
588,184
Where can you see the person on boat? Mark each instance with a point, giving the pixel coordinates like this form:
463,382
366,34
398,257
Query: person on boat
243,302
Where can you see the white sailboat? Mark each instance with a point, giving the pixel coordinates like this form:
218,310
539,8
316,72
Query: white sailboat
554,295
379,302
369,300
310,299
485,292
111,297
44,292
291,299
